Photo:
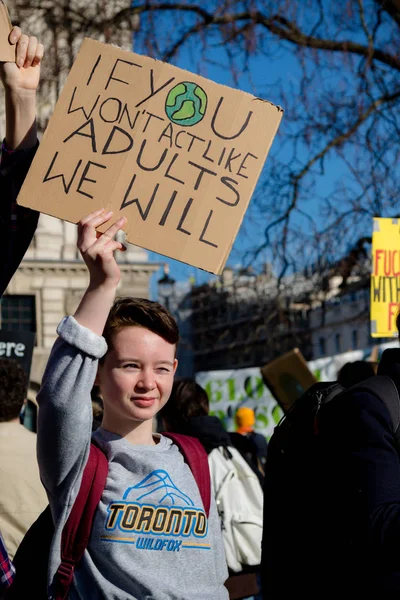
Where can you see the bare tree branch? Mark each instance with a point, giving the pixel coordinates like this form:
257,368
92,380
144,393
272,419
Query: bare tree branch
392,7
276,24
337,141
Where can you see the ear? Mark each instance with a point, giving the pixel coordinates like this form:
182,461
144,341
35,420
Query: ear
175,365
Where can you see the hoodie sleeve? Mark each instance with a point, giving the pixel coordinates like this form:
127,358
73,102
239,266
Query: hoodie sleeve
65,409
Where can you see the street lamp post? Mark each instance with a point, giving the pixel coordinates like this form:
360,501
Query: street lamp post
166,287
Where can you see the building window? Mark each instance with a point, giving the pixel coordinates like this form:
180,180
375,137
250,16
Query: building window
322,346
18,313
354,339
338,343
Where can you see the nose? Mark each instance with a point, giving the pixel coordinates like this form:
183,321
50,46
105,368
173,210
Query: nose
146,381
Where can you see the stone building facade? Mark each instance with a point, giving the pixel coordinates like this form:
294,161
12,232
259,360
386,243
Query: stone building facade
342,323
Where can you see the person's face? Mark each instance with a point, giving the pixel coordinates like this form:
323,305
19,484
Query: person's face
135,378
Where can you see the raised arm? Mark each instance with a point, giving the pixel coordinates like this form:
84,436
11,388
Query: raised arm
20,80
98,254
65,409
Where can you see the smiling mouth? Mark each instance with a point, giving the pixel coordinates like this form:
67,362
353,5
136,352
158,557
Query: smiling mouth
143,402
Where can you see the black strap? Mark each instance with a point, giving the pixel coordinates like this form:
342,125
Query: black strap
384,388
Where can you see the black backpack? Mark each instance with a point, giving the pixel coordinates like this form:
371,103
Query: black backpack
296,469
299,427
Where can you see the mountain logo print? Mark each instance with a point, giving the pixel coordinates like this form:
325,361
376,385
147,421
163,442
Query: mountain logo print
159,485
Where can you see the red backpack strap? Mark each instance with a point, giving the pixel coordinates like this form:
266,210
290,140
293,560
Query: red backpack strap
76,532
196,458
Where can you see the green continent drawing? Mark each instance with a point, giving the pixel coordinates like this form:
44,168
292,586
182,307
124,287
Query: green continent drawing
186,104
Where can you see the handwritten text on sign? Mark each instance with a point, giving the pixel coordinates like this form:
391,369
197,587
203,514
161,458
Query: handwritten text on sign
175,153
385,278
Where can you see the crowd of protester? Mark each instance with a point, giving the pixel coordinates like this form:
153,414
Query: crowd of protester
110,384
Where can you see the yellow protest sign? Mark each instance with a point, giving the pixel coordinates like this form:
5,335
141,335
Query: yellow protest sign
385,277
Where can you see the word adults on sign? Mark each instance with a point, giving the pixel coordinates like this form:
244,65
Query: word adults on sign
177,154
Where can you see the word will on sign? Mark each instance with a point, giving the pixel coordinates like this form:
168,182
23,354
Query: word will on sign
385,277
175,153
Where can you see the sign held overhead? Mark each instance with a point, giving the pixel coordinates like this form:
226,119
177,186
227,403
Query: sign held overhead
385,277
176,154
288,377
7,50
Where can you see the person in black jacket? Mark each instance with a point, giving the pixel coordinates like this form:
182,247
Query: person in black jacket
253,446
17,224
334,530
187,413
354,372
20,80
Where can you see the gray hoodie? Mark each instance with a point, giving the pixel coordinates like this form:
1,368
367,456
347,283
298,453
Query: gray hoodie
150,538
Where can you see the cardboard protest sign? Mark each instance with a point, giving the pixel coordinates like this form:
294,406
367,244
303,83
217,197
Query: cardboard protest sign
288,377
385,278
7,51
175,153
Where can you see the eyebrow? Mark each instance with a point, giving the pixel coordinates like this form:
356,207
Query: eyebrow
137,360
165,362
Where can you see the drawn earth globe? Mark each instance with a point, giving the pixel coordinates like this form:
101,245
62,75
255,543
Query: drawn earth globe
186,104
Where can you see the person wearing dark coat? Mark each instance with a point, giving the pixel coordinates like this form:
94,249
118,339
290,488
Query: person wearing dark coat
187,412
338,533
17,224
355,372
253,446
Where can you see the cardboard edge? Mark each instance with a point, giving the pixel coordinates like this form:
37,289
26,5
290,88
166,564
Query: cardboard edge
90,42
10,55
